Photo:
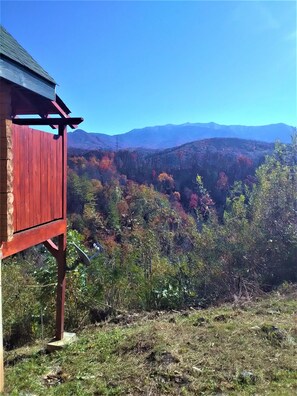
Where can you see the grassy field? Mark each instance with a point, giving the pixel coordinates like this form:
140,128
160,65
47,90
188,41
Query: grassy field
244,349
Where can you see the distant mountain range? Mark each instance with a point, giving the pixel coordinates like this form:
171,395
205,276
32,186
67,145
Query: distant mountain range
168,136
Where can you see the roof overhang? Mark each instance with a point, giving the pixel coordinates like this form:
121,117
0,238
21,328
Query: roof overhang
25,102
23,77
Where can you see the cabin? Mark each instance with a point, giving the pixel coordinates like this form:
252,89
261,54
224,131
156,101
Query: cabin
33,163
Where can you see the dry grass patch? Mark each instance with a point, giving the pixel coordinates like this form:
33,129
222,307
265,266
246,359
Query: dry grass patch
232,350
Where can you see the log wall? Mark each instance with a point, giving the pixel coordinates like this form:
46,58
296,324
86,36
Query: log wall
6,165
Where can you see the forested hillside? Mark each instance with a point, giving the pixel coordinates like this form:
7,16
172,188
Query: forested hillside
192,226
220,162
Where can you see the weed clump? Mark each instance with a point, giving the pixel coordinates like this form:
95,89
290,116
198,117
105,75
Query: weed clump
273,334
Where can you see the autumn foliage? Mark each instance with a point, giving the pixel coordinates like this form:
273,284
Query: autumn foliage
177,233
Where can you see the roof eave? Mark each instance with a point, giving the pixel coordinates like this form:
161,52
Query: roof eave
17,74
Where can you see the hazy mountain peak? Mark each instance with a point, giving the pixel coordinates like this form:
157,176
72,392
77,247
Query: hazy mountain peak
170,135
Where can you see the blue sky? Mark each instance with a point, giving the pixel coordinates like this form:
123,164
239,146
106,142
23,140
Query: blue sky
124,65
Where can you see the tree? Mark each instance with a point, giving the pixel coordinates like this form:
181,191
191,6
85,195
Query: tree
166,183
204,201
274,215
80,191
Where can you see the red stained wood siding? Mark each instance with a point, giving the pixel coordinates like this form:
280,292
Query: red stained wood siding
25,239
37,177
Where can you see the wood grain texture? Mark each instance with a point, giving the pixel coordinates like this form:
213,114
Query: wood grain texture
38,175
25,239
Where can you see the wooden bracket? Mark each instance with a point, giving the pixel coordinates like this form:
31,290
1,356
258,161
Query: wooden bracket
52,248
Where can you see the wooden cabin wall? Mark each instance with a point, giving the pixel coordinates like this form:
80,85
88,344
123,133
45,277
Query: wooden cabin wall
37,177
6,165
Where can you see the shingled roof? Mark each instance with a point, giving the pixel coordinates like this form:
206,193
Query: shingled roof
30,88
10,48
17,67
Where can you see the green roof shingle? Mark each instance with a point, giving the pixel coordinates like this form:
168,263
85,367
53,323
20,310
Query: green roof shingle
10,48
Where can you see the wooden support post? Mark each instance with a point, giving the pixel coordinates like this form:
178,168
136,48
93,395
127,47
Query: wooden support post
62,241
59,252
1,333
61,287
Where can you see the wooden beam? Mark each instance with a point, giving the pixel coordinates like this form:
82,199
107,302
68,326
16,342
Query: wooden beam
47,116
63,106
72,121
52,248
33,236
62,112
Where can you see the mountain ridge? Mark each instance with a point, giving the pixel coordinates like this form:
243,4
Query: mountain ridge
170,135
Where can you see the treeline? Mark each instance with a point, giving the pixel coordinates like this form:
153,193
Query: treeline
252,245
163,246
220,163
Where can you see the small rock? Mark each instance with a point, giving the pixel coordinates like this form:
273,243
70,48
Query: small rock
247,377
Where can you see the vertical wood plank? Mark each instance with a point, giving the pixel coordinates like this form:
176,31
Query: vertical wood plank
54,196
52,170
16,175
59,198
30,181
51,182
46,176
43,180
23,203
63,132
38,177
